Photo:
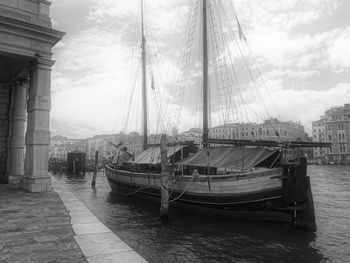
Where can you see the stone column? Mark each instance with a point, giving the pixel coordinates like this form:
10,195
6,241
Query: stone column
36,177
16,140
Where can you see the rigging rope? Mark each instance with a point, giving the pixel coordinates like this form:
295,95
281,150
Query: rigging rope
183,64
254,64
134,192
261,106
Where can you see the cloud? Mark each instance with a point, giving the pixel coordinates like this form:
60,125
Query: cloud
283,15
339,51
91,94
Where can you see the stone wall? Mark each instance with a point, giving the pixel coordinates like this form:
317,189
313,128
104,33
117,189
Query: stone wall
30,11
4,128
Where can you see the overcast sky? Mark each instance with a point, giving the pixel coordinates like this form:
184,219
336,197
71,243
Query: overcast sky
303,50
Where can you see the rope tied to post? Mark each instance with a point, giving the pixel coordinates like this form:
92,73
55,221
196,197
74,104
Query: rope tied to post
134,192
173,200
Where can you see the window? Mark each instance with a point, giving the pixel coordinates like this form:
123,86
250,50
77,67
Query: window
329,137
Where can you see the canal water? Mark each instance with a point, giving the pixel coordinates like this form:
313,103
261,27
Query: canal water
196,239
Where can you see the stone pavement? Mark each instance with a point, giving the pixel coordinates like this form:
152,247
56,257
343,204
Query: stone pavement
97,242
55,227
35,228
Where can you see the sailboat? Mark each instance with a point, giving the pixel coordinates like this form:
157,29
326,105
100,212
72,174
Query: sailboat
245,179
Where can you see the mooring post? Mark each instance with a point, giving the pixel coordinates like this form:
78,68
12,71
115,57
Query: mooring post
164,200
303,196
74,167
93,182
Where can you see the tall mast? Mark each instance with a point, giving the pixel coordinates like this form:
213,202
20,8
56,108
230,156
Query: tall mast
205,74
144,81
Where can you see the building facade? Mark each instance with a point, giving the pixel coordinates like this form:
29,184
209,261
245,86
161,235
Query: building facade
271,129
26,41
104,144
194,134
60,146
333,127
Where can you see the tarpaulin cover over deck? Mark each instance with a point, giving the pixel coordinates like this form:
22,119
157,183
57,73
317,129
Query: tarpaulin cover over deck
152,155
229,157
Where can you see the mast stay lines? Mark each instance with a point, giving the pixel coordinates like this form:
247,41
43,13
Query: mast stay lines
183,64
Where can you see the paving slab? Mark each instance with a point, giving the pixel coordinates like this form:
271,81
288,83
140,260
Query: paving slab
81,219
90,228
120,257
98,242
101,244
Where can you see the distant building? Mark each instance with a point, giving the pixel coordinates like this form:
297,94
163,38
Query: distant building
271,129
60,146
104,144
334,127
100,143
194,134
318,135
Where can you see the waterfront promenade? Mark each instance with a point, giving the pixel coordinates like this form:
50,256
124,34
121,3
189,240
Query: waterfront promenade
35,228
55,227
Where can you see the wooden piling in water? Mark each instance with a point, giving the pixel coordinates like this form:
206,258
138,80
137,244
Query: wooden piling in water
164,200
299,195
74,167
93,182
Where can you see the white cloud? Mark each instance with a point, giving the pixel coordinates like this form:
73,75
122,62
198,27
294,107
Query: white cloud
339,51
283,14
281,50
88,78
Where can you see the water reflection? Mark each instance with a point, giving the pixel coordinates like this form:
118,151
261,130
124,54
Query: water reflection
189,238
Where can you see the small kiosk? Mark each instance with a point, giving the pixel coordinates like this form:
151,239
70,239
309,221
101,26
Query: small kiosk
76,162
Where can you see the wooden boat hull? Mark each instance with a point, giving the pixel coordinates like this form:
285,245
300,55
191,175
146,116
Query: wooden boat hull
124,182
263,195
